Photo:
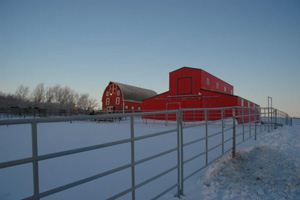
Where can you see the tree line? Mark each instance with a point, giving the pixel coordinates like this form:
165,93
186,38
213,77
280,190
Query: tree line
47,97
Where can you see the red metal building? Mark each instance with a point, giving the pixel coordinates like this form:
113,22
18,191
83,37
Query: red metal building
119,97
196,88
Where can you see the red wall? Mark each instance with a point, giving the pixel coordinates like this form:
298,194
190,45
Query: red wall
175,78
179,82
212,85
189,89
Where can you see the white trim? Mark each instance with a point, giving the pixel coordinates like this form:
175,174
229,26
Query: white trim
118,101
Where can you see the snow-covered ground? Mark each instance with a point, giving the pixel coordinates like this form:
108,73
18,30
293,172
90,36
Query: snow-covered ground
261,166
268,168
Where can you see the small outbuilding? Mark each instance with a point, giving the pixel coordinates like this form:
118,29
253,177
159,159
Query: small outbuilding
123,98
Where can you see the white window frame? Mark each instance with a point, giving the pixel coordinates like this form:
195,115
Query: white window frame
231,92
225,89
107,101
139,108
217,85
242,102
118,92
118,101
132,107
107,93
126,107
113,89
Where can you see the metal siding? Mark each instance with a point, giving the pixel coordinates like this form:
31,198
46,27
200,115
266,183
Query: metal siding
213,83
184,85
211,97
133,93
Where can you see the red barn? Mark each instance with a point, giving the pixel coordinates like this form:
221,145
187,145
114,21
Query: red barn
195,88
119,97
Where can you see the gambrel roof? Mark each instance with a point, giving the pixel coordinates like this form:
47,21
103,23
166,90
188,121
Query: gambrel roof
133,93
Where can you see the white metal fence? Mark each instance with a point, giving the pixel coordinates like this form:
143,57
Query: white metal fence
236,125
296,121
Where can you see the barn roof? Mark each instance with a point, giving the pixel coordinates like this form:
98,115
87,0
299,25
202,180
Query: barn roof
199,70
132,93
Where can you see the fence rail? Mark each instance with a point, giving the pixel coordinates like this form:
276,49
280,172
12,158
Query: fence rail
295,121
237,125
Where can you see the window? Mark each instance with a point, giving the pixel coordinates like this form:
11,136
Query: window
248,104
231,92
139,108
242,102
224,88
107,101
132,107
126,107
107,93
113,89
117,100
207,81
217,85
118,93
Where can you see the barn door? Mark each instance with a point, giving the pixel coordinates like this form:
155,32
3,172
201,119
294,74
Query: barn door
184,86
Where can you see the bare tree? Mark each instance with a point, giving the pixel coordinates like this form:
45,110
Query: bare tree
65,94
82,102
49,95
38,93
57,90
22,93
92,103
73,99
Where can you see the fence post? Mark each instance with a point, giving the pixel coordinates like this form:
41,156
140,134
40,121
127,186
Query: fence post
243,123
35,161
250,121
181,150
132,157
194,116
272,118
206,138
179,154
233,134
268,117
275,119
260,120
222,117
255,119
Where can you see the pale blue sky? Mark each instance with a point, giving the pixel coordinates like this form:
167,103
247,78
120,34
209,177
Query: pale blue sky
251,44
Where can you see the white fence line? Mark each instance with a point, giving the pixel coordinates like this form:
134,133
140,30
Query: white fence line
251,122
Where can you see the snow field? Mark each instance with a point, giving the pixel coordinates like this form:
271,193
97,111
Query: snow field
268,168
15,143
56,172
